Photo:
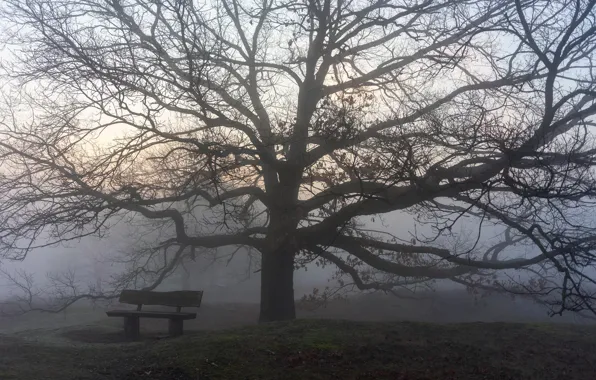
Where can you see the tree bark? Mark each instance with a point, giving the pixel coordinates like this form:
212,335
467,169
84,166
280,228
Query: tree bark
277,286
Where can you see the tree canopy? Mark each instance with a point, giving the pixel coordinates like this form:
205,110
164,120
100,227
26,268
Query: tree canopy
285,125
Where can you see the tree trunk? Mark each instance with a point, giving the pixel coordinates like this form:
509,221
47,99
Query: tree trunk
277,286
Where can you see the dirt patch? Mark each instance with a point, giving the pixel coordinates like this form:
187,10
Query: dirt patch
97,335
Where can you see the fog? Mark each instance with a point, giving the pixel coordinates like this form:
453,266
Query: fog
231,287
93,259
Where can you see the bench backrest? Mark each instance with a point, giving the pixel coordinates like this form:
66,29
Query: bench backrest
178,299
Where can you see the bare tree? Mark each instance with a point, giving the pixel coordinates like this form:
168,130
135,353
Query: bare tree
282,125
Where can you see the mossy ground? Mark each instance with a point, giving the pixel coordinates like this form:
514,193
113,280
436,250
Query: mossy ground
322,349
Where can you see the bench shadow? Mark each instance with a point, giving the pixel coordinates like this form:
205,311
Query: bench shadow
94,335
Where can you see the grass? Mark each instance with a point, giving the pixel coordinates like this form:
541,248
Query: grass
316,349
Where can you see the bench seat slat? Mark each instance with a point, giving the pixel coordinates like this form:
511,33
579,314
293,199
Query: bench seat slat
177,299
151,314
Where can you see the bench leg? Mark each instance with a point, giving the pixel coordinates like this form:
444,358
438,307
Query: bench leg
131,328
175,327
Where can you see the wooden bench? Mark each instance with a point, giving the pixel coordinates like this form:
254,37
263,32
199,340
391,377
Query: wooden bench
178,299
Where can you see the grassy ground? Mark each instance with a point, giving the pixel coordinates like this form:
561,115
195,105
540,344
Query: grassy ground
314,349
